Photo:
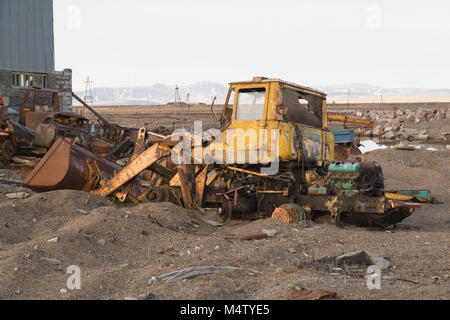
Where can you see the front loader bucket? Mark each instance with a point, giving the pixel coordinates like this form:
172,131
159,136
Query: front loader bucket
67,166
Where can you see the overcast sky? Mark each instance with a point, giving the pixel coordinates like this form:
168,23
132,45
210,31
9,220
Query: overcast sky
390,43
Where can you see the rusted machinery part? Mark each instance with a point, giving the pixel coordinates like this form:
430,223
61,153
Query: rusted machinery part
185,174
390,213
23,137
25,171
391,217
342,153
161,170
164,194
139,145
275,177
292,213
101,119
340,118
66,166
139,148
164,168
142,162
101,148
158,195
114,133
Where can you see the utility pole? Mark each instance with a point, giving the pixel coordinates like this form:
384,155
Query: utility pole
188,106
177,97
88,96
348,100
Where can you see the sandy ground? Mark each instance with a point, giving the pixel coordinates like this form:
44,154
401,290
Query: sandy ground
120,248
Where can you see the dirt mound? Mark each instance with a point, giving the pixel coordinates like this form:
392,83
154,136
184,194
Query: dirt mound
46,233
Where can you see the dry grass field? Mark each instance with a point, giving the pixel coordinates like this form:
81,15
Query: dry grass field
155,116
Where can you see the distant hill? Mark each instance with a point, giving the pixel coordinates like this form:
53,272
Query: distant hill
204,92
362,90
201,92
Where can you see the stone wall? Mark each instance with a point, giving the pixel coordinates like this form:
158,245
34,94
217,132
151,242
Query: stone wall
15,96
63,79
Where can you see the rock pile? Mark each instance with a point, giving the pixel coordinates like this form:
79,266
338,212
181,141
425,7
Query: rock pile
396,124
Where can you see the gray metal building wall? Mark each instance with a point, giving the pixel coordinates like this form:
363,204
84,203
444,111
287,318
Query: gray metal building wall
26,36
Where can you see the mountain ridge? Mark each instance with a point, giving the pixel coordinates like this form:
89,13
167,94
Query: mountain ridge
205,91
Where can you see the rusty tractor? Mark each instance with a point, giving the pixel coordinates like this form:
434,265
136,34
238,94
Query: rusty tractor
272,156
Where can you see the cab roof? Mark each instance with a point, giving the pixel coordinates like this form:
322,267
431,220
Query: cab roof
258,80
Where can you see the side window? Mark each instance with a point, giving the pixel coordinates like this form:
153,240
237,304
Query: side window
302,108
251,104
23,80
228,114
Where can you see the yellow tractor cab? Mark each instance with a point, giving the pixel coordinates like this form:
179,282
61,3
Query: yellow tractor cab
268,107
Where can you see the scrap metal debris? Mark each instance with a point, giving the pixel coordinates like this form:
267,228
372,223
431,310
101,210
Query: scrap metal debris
260,236
17,195
405,280
363,258
192,272
39,127
313,295
82,211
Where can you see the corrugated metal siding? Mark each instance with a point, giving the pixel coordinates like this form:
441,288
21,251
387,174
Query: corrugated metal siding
26,36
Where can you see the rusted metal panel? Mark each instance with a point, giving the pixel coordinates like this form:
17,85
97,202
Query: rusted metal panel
312,144
33,119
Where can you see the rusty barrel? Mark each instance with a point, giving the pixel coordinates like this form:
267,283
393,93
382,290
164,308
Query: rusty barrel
67,166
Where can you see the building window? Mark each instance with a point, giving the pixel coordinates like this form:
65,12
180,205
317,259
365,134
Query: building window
26,80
